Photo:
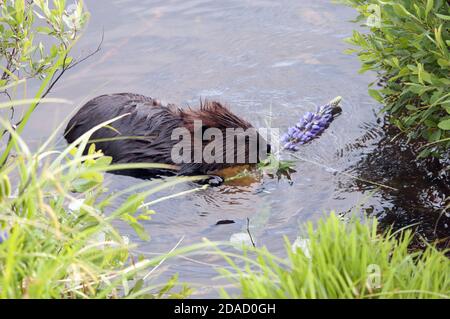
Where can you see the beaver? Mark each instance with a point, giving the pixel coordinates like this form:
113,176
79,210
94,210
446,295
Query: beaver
149,132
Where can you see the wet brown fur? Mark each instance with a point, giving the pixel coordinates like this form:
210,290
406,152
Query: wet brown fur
149,124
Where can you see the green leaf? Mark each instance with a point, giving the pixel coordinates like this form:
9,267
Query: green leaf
376,95
443,63
423,75
428,8
83,185
44,30
435,136
131,205
103,161
137,227
439,40
93,176
447,108
137,287
401,10
424,153
20,8
350,51
444,125
443,16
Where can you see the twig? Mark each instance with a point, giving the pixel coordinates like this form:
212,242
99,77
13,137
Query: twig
248,231
343,173
173,196
440,216
164,259
54,81
90,54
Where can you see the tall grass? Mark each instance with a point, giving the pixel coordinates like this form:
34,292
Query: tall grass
339,260
57,240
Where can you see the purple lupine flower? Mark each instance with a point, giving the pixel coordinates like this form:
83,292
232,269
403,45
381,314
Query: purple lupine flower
311,125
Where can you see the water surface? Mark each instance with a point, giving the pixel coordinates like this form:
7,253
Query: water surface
270,61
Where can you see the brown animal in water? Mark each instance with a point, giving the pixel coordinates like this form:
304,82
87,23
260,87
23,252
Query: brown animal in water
144,135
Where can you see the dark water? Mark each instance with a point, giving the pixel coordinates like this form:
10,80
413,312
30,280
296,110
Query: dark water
270,61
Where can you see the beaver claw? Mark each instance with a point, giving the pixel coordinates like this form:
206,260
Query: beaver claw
213,181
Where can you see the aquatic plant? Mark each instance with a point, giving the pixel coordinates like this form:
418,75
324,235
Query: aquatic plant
337,259
311,125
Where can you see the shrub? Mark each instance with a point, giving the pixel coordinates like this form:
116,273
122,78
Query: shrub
408,46
24,28
26,25
340,260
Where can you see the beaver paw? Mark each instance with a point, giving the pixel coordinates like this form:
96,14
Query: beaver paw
213,181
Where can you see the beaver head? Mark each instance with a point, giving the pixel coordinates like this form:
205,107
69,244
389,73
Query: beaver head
218,139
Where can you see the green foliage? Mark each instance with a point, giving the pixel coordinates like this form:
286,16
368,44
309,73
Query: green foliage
56,241
26,25
408,46
272,166
340,260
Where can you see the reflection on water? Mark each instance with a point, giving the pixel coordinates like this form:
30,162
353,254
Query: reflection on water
270,61
419,189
